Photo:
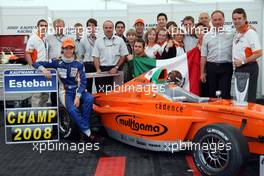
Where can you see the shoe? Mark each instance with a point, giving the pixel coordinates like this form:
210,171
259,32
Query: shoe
91,139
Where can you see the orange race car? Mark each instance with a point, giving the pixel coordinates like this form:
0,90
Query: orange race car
156,114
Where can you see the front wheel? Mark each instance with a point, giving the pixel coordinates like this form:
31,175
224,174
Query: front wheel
68,129
222,150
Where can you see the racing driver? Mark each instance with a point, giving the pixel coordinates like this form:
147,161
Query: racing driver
77,101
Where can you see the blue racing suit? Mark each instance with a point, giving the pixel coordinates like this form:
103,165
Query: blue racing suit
72,77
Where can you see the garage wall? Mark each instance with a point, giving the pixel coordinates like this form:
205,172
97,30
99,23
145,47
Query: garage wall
21,20
82,16
17,20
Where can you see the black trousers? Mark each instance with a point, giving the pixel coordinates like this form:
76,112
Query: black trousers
219,77
253,69
104,84
204,89
89,68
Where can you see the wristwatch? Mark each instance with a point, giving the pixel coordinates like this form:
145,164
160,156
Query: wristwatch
117,67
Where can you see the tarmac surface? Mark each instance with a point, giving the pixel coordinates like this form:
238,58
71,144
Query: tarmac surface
25,160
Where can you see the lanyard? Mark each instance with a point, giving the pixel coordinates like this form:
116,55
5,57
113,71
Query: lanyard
111,44
59,38
45,44
91,40
238,37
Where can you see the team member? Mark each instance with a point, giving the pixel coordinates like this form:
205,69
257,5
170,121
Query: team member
190,40
204,18
171,26
162,37
72,77
54,50
200,29
138,53
37,50
246,50
109,54
152,49
161,21
55,40
168,49
79,34
216,60
139,27
86,50
178,37
120,29
131,38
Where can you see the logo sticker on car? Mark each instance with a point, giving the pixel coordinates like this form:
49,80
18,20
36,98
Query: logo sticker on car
140,127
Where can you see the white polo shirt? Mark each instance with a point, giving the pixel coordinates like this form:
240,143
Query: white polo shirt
55,43
245,44
110,50
37,46
86,48
150,51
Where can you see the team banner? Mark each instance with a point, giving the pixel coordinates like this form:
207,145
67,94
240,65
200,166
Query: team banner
30,124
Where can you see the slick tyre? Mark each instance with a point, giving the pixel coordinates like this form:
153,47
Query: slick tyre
223,150
68,128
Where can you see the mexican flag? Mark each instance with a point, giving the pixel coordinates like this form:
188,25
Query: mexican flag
187,64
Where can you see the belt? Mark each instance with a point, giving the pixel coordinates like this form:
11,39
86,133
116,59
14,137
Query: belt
219,64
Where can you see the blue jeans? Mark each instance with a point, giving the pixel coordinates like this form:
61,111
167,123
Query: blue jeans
81,115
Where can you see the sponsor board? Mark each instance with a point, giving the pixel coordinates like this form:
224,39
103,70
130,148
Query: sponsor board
28,124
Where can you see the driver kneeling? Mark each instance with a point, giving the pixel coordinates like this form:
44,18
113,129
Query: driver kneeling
72,79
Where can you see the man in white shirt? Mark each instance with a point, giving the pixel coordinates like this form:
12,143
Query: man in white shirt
109,54
204,18
86,50
55,43
55,40
216,57
36,50
79,32
161,21
246,50
37,46
190,41
139,28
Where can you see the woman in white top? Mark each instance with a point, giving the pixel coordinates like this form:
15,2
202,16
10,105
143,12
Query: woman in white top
162,38
152,49
178,36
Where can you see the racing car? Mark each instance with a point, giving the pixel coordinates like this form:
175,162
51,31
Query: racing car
155,113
